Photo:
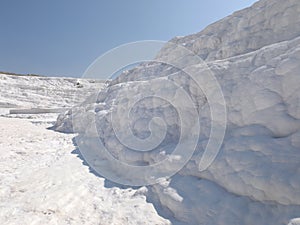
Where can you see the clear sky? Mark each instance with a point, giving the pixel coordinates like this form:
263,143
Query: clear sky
63,37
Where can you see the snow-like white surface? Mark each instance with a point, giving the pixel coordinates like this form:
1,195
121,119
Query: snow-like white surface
265,23
294,221
43,182
42,178
255,179
44,92
255,55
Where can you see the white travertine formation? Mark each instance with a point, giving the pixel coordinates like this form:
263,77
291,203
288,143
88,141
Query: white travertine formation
255,179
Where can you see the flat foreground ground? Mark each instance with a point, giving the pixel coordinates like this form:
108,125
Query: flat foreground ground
43,182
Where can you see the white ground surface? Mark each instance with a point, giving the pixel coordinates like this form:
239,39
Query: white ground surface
42,179
255,178
43,182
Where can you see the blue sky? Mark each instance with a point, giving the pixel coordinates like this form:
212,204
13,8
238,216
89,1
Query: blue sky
63,37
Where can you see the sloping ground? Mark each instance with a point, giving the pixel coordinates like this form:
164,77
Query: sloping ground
42,178
44,92
42,181
255,179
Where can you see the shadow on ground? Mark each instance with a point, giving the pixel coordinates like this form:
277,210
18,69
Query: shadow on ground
150,197
107,183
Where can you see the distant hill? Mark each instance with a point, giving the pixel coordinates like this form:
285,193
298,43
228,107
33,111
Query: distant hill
17,74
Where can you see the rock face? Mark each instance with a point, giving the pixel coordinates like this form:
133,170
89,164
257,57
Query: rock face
266,22
255,179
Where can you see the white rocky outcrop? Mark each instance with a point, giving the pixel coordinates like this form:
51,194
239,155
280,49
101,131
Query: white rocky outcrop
255,179
265,23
